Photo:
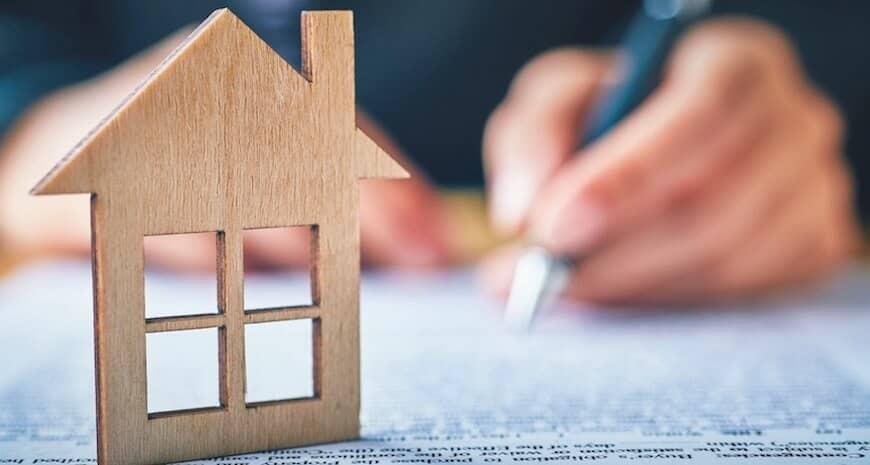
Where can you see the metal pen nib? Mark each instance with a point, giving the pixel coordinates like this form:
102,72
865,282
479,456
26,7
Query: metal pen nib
539,278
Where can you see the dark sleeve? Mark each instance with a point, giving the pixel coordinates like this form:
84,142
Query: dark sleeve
832,39
42,47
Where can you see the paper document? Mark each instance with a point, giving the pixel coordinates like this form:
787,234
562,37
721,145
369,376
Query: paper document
787,381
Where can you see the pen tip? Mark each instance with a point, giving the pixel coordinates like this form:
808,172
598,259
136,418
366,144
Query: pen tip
538,277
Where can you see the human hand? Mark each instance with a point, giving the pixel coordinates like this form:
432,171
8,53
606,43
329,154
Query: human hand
726,182
400,220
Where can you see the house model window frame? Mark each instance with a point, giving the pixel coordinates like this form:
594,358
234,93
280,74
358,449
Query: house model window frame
225,136
251,315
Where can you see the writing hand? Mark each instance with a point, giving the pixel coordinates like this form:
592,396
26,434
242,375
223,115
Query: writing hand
727,181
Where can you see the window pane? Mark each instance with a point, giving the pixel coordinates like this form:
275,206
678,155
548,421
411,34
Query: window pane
197,251
278,267
279,360
183,370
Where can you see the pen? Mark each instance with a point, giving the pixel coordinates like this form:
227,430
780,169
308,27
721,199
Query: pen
540,276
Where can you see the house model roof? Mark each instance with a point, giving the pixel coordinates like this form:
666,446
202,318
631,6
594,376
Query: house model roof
223,98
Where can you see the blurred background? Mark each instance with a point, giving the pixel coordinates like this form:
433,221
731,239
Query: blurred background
429,73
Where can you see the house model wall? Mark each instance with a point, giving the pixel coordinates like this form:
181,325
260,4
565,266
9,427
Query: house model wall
225,136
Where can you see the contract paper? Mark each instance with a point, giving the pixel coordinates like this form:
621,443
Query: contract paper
782,381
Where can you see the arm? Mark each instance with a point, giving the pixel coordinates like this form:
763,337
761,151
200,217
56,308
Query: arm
43,126
400,221
39,54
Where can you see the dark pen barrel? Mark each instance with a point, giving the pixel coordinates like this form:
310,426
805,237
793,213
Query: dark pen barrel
645,51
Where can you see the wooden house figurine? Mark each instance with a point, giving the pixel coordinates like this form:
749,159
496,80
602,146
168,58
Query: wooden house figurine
222,137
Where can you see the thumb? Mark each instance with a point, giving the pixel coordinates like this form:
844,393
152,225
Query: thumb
536,128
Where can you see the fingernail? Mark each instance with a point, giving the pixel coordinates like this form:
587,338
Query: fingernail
512,193
574,230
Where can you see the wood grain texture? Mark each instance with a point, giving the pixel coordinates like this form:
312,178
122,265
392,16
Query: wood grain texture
225,136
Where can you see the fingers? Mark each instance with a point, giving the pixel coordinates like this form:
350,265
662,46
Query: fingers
790,249
693,236
809,236
183,252
402,225
710,108
788,179
536,128
635,173
401,222
726,182
495,272
267,249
